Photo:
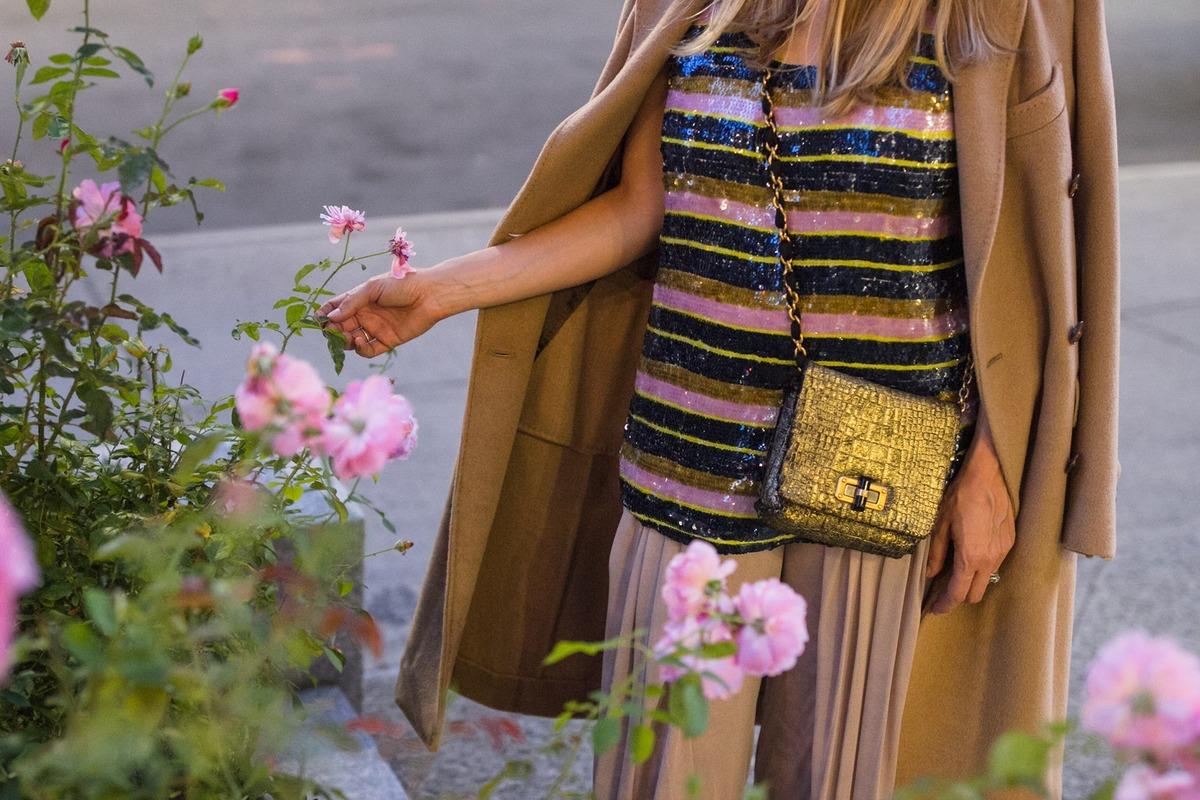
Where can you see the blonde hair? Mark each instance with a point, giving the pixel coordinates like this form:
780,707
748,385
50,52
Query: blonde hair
865,44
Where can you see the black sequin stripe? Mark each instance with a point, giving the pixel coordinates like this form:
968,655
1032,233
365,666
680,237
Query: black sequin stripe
773,345
809,141
850,175
703,361
841,279
752,437
927,77
867,351
764,242
696,455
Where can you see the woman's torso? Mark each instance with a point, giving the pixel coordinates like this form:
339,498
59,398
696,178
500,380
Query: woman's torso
873,200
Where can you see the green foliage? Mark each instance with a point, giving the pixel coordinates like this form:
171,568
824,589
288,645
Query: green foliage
155,658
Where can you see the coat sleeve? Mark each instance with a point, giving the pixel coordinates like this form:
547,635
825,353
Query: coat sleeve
1090,520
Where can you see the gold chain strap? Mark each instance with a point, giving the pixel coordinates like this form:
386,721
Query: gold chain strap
771,146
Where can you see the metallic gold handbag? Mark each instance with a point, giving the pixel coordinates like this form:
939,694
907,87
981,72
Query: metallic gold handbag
851,463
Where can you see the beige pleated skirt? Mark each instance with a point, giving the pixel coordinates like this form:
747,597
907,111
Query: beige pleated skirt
830,726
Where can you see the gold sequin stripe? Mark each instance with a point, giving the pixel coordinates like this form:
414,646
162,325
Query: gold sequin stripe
856,158
673,470
748,89
813,303
721,390
797,200
809,262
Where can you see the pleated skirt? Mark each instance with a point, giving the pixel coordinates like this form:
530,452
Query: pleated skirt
830,726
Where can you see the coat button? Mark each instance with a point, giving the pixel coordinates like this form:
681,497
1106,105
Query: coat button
1073,187
1076,332
1072,461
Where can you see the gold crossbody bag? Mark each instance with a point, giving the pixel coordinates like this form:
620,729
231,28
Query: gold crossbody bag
851,463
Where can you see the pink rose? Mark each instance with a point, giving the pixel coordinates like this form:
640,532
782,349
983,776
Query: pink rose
402,251
726,676
228,97
1143,694
285,395
1143,782
774,633
112,214
18,574
694,580
370,425
342,220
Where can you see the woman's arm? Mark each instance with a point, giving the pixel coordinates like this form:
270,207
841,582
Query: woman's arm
592,240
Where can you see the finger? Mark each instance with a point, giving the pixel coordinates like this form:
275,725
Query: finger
349,303
368,346
957,588
938,544
978,586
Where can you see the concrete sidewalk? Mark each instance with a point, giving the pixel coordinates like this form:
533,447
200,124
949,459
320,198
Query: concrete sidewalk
214,279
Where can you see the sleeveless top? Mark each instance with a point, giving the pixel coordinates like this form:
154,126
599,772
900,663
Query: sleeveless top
872,198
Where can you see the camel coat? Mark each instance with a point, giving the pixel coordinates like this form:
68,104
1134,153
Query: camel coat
520,558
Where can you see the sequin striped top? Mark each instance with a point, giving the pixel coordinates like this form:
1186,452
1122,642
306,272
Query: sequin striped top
871,197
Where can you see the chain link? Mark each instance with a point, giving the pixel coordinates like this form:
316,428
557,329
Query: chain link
771,146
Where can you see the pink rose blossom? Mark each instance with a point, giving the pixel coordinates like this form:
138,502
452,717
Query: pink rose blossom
1143,694
342,220
774,633
1143,782
239,499
285,395
693,578
113,214
691,633
18,574
370,425
402,251
229,96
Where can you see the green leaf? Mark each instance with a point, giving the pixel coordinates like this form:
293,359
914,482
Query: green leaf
605,733
641,743
295,313
99,72
135,63
100,610
135,169
58,127
195,453
39,276
38,7
335,342
688,706
82,643
45,74
208,183
564,649
61,58
99,409
1018,757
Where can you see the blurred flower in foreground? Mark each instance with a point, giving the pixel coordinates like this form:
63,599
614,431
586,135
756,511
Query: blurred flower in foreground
765,623
285,395
18,574
342,220
1143,694
1143,782
402,251
370,425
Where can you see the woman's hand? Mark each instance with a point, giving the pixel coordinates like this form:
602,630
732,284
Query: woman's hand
382,313
976,514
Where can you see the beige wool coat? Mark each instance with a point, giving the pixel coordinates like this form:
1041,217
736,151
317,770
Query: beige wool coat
520,557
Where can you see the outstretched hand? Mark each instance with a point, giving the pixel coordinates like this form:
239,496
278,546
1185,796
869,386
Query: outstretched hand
977,516
381,313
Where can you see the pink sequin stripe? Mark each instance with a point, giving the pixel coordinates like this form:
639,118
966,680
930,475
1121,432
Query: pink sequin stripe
777,321
714,502
811,221
702,403
774,320
912,120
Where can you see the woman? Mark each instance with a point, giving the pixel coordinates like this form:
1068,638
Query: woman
541,503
